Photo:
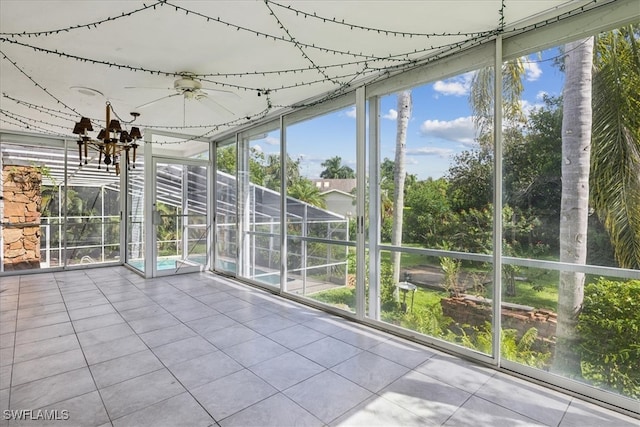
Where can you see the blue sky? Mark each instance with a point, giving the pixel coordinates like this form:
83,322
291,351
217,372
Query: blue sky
441,124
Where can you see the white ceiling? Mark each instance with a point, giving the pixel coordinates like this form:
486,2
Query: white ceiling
110,46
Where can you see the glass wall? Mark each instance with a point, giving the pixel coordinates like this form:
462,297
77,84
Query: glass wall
321,188
135,212
226,218
508,236
31,208
56,212
436,211
571,264
180,216
260,205
470,243
92,229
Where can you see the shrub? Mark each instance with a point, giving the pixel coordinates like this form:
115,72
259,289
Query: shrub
609,328
428,320
512,348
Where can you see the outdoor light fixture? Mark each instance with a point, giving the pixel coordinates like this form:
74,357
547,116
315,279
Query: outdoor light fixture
112,142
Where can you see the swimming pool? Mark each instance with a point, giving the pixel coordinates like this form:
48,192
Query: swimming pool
169,263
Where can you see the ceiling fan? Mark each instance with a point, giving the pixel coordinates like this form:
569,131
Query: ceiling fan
189,88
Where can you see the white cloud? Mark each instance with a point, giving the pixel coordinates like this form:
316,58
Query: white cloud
391,115
456,86
257,148
459,130
430,151
532,70
310,166
271,140
540,95
351,113
309,159
411,161
527,106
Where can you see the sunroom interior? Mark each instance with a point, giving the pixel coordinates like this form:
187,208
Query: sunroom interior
241,104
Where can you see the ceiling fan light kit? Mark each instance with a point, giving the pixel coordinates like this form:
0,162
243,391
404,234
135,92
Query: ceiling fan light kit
190,89
110,143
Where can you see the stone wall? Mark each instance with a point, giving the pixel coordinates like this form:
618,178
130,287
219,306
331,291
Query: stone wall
476,311
22,201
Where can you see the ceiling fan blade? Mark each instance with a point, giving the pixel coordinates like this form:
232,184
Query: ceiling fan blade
148,87
215,105
210,89
157,100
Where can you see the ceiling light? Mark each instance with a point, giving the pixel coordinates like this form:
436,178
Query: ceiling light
83,90
109,145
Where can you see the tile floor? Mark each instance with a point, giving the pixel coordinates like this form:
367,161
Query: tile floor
108,348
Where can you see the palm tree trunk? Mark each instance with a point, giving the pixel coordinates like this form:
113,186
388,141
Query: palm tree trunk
574,210
399,175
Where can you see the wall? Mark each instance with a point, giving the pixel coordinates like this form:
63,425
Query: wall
340,203
22,201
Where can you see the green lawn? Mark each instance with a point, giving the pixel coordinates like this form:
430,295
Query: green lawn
536,287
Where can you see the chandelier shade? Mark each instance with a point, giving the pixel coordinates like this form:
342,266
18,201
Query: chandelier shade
114,126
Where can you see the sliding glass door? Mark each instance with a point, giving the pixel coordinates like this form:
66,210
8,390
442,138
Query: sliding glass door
180,216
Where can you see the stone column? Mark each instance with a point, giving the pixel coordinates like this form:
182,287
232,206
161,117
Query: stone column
21,217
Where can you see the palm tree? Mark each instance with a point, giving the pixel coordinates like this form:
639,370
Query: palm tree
608,160
481,97
334,169
615,164
574,209
304,190
399,175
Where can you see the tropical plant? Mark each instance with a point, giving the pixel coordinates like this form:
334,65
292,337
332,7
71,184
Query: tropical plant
304,190
451,269
482,101
428,320
168,229
334,169
512,348
615,152
609,329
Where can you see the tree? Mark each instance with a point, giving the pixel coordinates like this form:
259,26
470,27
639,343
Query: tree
264,171
470,178
609,327
334,169
404,113
226,159
304,190
427,212
387,190
615,165
574,210
273,177
531,165
481,98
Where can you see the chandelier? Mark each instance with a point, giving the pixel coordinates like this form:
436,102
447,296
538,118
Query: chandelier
112,142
